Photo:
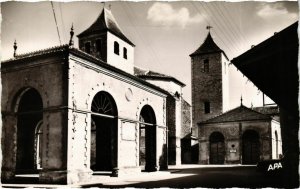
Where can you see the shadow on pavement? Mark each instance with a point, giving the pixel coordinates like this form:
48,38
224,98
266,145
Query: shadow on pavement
214,177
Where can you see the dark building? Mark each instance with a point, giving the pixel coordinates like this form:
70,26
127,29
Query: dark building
273,67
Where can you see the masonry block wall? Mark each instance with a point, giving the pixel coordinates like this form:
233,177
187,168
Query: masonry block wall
206,87
233,135
46,75
81,93
186,132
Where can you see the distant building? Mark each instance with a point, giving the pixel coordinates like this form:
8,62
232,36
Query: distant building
209,85
239,136
69,114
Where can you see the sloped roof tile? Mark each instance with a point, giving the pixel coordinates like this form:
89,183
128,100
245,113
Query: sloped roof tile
106,22
240,113
208,46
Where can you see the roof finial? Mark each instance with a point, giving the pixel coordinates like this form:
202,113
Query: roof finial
241,100
71,43
15,48
208,28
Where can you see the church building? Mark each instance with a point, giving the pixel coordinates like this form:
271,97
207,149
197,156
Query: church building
238,136
69,113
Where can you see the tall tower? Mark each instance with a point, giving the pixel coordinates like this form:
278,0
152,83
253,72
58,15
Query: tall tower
209,82
105,40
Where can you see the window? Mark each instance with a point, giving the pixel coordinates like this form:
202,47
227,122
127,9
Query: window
98,45
124,53
116,48
206,65
206,107
87,47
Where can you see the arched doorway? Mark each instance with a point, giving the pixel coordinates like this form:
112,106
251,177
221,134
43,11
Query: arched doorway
147,137
251,152
29,119
216,148
104,125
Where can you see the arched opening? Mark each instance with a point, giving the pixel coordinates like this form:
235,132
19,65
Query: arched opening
276,145
216,148
251,152
38,142
30,116
104,125
147,136
116,48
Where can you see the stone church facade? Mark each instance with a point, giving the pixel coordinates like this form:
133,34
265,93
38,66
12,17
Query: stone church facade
68,114
238,136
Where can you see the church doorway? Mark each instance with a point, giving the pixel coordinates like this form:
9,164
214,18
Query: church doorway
217,148
29,129
104,125
147,139
250,154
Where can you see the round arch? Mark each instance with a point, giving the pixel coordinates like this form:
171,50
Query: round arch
29,109
251,147
147,139
216,148
104,132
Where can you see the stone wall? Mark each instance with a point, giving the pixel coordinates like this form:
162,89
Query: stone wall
233,132
47,76
206,87
86,80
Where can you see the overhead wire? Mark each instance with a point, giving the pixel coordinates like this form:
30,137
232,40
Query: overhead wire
215,25
62,22
151,50
55,21
219,24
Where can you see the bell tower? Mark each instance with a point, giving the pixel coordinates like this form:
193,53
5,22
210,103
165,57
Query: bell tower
209,82
105,40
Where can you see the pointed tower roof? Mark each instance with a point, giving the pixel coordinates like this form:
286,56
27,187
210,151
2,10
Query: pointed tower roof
208,46
105,22
241,113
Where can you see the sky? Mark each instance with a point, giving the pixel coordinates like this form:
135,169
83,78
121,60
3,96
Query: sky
165,33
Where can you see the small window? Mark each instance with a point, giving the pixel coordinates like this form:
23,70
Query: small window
207,107
87,47
206,65
98,45
124,53
116,48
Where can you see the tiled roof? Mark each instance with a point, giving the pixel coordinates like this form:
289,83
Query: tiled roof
66,50
106,22
61,48
268,110
148,74
208,46
240,113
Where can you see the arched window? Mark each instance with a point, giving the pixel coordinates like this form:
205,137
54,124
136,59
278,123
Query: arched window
206,66
98,45
116,48
124,53
206,107
87,47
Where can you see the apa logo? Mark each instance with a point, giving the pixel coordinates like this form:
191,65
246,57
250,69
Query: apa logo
275,166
